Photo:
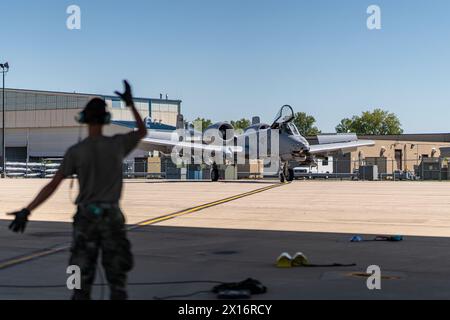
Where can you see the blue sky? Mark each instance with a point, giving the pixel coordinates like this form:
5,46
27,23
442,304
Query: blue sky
239,58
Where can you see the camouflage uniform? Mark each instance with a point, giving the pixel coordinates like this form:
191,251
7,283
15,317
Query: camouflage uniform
101,229
99,224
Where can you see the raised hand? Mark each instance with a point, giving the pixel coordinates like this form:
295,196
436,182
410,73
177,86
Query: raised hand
127,96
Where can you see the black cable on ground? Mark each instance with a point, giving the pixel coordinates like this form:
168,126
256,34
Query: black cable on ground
329,265
102,285
251,285
132,284
182,296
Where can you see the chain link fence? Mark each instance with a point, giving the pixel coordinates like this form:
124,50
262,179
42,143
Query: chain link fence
379,168
436,169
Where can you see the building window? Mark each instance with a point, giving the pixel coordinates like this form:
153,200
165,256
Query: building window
116,103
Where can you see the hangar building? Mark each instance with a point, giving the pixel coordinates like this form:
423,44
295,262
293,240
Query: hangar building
41,124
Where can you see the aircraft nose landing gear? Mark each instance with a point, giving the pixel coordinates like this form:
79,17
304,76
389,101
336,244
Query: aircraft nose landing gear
286,173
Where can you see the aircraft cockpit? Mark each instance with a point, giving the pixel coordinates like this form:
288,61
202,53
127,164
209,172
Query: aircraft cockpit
292,128
283,121
285,115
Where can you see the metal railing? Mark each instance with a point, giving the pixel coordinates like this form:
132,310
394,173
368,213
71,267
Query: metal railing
30,169
340,169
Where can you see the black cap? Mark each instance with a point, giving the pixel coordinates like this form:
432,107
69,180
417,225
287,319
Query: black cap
95,110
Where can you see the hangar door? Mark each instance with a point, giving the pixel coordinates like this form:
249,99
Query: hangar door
51,142
16,154
16,145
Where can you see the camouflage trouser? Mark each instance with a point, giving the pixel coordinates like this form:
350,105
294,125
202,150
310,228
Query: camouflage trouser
101,230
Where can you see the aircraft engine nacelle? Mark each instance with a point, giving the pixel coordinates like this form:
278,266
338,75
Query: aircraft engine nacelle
224,131
258,127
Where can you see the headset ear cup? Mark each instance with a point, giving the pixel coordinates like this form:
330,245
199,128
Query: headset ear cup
107,118
80,117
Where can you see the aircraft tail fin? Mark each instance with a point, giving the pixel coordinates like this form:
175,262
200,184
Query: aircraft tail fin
180,121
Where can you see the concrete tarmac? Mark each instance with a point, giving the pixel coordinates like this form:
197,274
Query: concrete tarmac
242,238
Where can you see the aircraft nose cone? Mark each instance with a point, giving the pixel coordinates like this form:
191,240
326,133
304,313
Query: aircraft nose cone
299,148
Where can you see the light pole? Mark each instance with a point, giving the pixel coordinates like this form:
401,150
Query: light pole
4,68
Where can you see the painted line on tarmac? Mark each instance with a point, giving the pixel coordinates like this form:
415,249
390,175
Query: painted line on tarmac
201,207
33,256
63,247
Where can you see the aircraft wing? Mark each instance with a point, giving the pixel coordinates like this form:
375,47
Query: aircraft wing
340,146
153,143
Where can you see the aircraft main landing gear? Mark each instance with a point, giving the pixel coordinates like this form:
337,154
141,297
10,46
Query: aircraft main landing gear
214,173
290,176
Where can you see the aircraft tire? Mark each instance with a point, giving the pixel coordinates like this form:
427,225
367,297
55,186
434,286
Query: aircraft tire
290,176
214,175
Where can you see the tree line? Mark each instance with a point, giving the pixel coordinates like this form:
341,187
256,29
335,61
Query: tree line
376,122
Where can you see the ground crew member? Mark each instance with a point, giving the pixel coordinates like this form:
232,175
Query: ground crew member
99,224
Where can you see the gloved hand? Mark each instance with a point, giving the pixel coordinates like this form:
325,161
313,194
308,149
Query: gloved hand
20,222
127,96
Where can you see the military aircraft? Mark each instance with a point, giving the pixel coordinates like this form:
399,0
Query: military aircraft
292,148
